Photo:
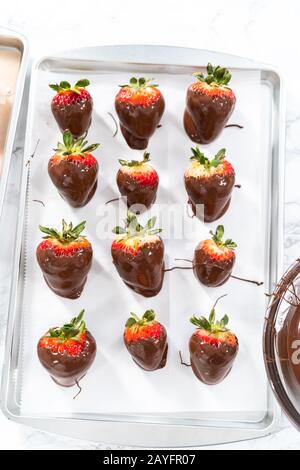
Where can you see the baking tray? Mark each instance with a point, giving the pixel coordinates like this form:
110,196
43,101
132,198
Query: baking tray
157,428
12,41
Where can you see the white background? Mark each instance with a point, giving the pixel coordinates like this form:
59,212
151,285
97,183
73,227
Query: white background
265,30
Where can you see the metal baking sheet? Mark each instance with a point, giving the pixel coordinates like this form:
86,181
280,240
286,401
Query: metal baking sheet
101,413
14,54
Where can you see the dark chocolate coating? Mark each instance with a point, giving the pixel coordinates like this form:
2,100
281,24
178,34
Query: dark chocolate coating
143,272
138,123
76,182
64,369
151,353
288,348
213,193
211,363
65,275
206,116
135,192
211,273
75,117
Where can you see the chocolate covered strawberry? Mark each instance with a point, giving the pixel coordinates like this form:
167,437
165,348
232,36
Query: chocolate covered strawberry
213,348
67,352
214,259
72,107
209,105
139,106
74,170
209,184
138,255
138,181
146,340
65,259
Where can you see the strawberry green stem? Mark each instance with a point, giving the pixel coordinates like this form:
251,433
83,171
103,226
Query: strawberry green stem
72,146
211,324
146,319
146,159
67,235
66,86
216,76
203,160
140,83
69,330
217,237
134,229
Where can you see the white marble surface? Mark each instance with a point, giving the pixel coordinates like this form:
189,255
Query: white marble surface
266,30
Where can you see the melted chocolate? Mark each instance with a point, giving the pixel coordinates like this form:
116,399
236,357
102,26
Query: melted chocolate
135,193
76,182
211,274
151,353
205,116
65,274
138,123
64,369
213,194
211,363
143,272
75,117
288,348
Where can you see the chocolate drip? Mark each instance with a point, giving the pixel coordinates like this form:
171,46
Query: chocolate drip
143,272
211,363
65,275
134,192
75,117
138,123
288,349
206,116
67,370
211,274
151,353
212,194
76,182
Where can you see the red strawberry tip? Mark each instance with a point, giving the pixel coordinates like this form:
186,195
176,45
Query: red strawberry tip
216,76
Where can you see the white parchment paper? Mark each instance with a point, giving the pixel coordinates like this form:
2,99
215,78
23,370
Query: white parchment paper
115,384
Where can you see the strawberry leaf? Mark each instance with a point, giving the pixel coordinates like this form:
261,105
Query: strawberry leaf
212,316
65,85
71,146
54,86
82,83
203,160
151,222
133,228
118,230
69,330
130,322
140,83
68,234
146,159
149,315
216,76
147,318
211,325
